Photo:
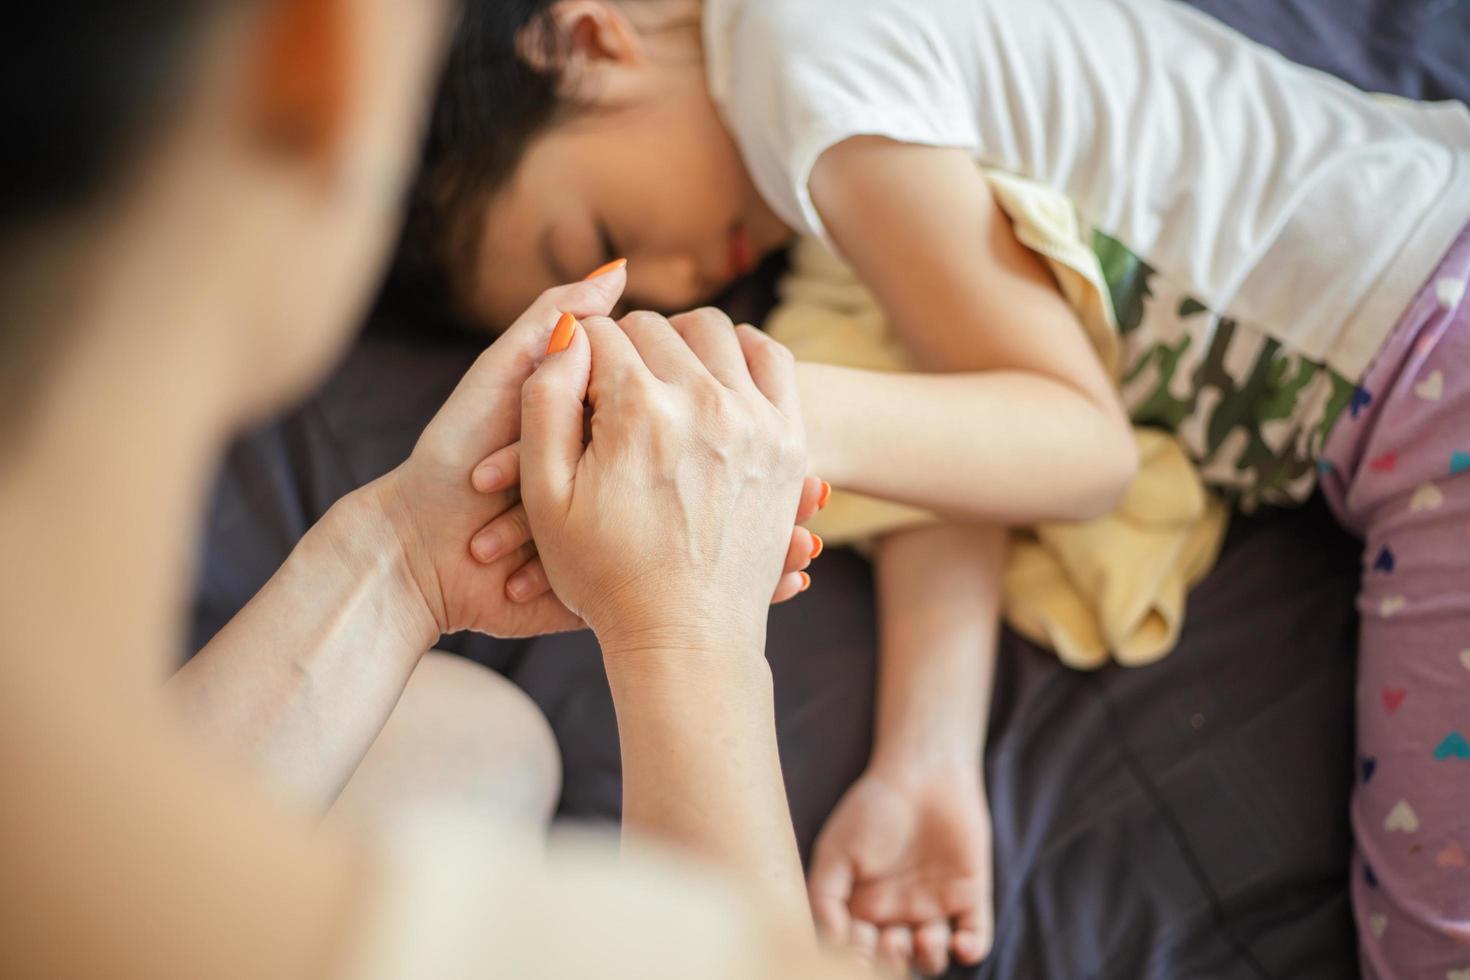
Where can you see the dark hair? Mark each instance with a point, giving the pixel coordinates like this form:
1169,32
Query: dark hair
82,84
492,101
82,81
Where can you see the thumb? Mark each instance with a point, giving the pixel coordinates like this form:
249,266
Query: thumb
551,424
829,888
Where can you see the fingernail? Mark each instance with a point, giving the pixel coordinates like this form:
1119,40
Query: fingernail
816,546
806,581
826,495
603,270
561,337
487,478
518,586
486,547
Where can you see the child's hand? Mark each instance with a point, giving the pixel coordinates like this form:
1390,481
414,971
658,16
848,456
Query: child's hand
903,870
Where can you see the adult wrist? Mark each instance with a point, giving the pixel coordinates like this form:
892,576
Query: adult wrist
364,535
657,686
679,652
668,624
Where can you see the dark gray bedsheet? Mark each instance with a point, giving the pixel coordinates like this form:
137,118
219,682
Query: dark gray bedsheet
1186,820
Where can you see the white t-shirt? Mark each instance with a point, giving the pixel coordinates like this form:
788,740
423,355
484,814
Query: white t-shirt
1272,193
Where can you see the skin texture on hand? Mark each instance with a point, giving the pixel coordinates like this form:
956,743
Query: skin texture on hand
511,530
676,514
903,870
431,503
667,531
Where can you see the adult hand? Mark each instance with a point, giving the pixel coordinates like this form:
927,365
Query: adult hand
673,522
512,530
430,503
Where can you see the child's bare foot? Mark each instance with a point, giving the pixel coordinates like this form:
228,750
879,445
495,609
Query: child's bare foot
903,867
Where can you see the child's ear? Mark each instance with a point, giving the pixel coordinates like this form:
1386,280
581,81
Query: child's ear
298,89
593,37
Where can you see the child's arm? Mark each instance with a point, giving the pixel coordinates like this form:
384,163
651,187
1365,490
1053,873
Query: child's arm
905,860
938,616
1033,429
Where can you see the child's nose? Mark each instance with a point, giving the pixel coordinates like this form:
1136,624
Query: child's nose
666,283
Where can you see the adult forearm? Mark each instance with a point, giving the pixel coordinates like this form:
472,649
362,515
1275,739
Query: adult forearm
700,765
997,446
302,680
939,609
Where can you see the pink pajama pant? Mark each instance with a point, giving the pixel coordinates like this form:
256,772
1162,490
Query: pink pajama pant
1396,471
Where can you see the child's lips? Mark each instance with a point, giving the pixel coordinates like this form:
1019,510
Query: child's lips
742,252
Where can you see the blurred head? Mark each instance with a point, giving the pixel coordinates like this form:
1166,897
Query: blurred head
571,132
201,185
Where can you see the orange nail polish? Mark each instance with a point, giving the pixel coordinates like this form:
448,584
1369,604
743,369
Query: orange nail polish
816,546
806,582
603,270
561,337
826,495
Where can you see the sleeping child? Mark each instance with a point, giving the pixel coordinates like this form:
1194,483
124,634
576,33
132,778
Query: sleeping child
1286,259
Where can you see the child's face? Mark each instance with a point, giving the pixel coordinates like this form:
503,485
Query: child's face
659,182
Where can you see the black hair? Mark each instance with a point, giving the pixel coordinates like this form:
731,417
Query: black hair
493,100
83,83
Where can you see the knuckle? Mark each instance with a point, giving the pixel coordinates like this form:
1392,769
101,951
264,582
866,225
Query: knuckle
549,300
778,352
639,387
722,413
709,316
538,388
643,318
709,395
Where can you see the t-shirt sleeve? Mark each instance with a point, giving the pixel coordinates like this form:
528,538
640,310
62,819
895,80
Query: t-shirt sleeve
794,78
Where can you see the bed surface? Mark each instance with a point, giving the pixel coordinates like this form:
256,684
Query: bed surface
1184,820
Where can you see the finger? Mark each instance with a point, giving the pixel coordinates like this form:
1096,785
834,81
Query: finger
829,885
803,548
931,947
662,349
501,536
862,938
711,336
812,496
548,614
773,370
528,582
896,949
499,471
551,425
484,410
790,586
591,297
973,934
607,269
613,354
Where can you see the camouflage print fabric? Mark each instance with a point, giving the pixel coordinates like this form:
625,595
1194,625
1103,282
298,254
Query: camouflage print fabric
1252,414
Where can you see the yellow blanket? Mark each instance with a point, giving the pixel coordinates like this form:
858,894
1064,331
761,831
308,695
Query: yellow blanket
1114,586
